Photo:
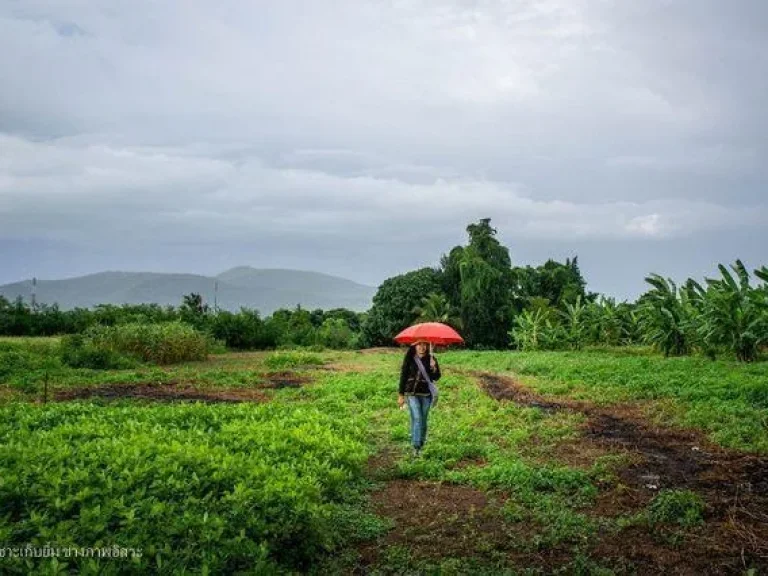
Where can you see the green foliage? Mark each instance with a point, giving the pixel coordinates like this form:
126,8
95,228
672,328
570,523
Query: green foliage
725,398
486,282
242,331
20,319
665,317
15,318
681,507
352,319
435,307
111,315
728,315
734,315
156,343
18,359
217,489
274,488
285,359
293,327
78,351
193,310
25,362
336,334
394,302
558,283
13,361
574,319
534,330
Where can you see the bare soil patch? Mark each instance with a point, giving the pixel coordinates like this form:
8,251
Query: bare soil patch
163,392
185,391
469,462
381,463
435,520
284,379
733,485
503,388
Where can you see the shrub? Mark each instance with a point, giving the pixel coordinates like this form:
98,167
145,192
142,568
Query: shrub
167,343
335,333
22,359
79,352
244,330
279,360
681,507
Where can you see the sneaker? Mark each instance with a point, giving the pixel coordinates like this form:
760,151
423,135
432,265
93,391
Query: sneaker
416,452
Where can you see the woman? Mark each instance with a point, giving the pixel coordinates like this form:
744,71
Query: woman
415,390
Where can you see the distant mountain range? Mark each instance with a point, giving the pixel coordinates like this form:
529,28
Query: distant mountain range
265,290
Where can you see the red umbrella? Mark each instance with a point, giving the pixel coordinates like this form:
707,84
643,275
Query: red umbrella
432,332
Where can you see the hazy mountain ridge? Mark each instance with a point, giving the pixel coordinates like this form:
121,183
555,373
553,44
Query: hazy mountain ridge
263,289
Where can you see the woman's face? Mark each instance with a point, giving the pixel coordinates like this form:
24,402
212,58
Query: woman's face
421,348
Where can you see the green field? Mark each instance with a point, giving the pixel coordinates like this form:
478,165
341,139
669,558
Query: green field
593,462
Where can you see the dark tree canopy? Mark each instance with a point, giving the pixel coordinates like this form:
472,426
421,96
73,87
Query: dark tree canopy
394,304
485,287
559,283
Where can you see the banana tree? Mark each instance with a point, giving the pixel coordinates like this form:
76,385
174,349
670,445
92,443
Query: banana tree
631,329
534,330
665,317
435,308
609,322
574,323
734,314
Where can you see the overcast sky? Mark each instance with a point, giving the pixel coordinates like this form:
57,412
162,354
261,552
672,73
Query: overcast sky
360,137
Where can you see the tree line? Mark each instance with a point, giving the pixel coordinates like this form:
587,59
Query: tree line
245,330
476,289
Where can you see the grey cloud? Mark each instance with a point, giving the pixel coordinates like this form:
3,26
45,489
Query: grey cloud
319,127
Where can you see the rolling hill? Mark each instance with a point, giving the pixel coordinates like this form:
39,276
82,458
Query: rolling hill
263,289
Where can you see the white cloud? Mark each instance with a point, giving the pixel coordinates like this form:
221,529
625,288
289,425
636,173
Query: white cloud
648,225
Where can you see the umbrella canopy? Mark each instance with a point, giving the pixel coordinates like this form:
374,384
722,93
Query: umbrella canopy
432,332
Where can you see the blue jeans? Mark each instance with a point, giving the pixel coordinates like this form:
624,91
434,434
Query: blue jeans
418,406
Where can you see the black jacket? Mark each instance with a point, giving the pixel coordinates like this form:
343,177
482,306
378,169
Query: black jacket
411,380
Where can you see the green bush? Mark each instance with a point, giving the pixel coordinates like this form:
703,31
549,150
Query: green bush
24,358
681,507
13,361
243,331
79,352
335,334
168,343
280,360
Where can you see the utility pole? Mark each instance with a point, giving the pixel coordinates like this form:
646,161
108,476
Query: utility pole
216,297
34,293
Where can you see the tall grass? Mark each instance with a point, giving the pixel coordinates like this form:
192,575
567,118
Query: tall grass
168,343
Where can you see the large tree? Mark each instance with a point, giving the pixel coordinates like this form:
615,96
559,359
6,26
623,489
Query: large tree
477,280
394,302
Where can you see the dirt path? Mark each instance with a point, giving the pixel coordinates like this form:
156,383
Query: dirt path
733,485
434,521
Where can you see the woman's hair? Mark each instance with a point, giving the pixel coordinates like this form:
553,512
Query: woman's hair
411,352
